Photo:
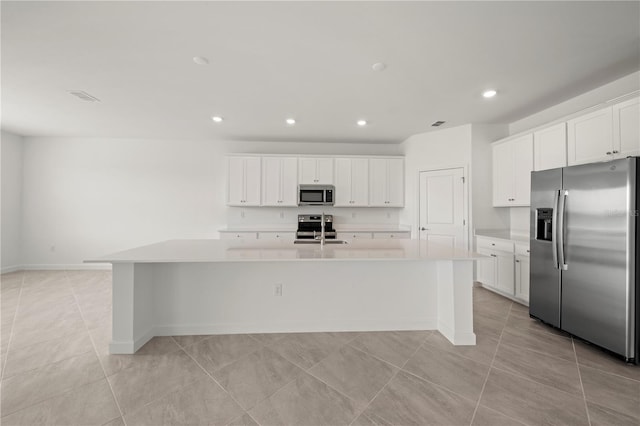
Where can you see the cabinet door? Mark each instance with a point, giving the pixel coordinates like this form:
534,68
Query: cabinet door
395,182
378,182
503,185
252,181
626,128
550,147
289,184
343,183
271,181
590,137
522,277
522,167
486,272
307,169
359,182
324,170
235,181
505,272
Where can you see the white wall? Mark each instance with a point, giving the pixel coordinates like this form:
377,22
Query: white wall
485,216
11,155
87,197
428,151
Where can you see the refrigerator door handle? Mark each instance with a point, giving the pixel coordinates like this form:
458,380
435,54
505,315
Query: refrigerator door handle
554,231
562,201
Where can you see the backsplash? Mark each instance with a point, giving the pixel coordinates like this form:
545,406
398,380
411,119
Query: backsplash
247,217
520,220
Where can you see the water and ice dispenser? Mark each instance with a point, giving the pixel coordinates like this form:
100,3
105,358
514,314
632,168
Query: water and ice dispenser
544,224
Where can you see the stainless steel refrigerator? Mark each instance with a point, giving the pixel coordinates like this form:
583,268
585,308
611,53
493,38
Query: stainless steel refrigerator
584,251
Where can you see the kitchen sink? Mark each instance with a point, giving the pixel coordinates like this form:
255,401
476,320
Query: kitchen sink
318,242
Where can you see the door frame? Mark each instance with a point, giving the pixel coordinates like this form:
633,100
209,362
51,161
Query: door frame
465,199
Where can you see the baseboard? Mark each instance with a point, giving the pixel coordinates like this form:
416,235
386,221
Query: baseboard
8,269
462,339
293,327
130,347
65,267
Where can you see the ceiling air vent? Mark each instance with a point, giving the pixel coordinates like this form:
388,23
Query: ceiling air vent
82,95
437,123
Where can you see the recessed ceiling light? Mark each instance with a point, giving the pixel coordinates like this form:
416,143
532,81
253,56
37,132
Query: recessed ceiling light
379,66
290,121
217,119
200,60
362,122
489,93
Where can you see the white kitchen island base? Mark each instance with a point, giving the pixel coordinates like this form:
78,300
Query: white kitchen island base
263,288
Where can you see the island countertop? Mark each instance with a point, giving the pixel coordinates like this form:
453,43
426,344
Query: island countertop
210,250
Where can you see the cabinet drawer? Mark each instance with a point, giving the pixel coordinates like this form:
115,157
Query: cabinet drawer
238,235
276,235
522,249
392,235
355,235
495,244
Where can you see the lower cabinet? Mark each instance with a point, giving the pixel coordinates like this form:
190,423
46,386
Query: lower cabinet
522,272
506,270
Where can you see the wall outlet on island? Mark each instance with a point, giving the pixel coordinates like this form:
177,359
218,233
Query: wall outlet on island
353,215
52,248
277,290
281,215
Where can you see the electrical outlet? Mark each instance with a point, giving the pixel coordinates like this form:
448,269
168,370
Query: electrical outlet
52,248
353,215
242,214
281,215
388,215
277,290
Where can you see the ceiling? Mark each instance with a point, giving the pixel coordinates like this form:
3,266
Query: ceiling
307,60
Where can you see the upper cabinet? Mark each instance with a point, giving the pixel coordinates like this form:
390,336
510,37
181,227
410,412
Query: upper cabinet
316,170
279,181
386,182
512,166
612,132
550,147
243,181
352,182
626,128
590,137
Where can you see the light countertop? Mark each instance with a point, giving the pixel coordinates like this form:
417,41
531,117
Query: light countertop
502,234
174,251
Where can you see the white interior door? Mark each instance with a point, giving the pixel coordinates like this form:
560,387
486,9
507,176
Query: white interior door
442,209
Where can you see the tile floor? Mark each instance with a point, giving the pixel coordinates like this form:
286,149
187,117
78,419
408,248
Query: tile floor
56,370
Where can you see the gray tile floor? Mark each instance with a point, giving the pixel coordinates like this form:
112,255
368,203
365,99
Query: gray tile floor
56,370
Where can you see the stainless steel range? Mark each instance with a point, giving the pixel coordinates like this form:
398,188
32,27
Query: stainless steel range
310,227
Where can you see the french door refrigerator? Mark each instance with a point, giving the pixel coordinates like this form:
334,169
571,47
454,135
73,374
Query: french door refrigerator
584,251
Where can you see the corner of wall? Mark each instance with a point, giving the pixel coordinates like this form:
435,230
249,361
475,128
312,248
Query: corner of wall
11,170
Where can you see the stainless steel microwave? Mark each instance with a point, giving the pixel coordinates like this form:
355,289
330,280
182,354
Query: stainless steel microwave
315,195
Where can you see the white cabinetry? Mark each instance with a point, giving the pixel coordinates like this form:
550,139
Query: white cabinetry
243,181
626,128
238,235
276,235
605,134
590,137
386,182
279,181
512,166
497,272
522,268
400,235
352,182
316,170
550,147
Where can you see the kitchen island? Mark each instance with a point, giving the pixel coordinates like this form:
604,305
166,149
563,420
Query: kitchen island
191,287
